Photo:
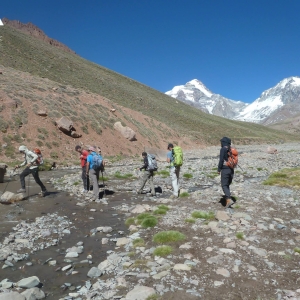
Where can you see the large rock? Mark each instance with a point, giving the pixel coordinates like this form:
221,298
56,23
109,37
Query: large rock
42,113
34,294
126,131
2,172
12,296
65,125
140,293
9,197
29,282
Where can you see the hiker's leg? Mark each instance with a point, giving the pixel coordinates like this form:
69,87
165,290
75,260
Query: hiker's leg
174,179
144,180
177,171
94,180
25,172
151,183
84,178
35,174
226,179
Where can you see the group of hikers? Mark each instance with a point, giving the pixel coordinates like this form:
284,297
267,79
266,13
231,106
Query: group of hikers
92,164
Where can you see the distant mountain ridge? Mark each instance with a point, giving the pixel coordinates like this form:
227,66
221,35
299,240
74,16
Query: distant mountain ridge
33,30
275,104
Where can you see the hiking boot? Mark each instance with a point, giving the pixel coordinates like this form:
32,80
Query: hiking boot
44,193
229,202
21,191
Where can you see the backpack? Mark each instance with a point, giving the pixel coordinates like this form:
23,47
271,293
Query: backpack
97,161
232,158
177,156
39,161
152,163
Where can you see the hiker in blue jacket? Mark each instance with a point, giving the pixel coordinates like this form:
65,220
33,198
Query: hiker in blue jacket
226,172
91,172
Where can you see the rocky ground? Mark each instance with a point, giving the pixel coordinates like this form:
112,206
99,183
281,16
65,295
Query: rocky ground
250,251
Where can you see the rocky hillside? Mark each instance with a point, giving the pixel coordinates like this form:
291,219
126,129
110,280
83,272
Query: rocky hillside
39,77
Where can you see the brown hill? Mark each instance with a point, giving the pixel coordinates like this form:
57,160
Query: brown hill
24,97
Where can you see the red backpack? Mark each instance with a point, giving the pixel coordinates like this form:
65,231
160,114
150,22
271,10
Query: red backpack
40,159
232,158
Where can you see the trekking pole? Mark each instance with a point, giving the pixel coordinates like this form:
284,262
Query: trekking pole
103,184
240,168
28,183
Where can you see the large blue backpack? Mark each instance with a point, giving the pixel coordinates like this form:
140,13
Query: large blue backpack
97,161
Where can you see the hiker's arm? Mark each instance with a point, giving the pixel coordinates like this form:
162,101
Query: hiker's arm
87,167
169,157
34,158
145,164
221,160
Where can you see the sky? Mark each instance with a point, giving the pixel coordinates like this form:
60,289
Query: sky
237,48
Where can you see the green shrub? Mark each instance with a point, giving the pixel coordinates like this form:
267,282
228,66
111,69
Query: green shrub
240,235
163,207
203,215
122,176
17,138
190,220
130,221
184,194
138,243
165,237
163,251
187,175
10,151
55,144
39,143
53,155
149,222
160,212
41,137
297,250
48,145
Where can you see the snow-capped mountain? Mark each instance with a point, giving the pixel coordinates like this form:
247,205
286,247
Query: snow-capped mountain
197,94
274,104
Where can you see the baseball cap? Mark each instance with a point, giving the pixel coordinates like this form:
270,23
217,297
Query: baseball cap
91,148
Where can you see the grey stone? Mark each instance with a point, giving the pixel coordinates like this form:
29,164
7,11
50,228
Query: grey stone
34,294
94,272
12,296
140,293
28,282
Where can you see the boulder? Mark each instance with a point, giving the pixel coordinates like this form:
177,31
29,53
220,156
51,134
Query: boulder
42,113
9,197
65,125
126,131
140,293
29,282
2,172
33,294
272,150
12,296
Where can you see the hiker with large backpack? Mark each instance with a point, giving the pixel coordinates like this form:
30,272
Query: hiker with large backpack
227,162
93,167
32,160
175,158
150,165
83,157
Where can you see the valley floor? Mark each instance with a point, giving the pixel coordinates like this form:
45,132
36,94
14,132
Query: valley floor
80,249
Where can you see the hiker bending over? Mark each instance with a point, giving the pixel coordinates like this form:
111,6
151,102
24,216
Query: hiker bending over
174,171
83,156
93,166
226,172
148,175
31,168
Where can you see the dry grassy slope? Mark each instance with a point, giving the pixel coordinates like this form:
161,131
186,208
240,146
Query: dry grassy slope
25,53
90,113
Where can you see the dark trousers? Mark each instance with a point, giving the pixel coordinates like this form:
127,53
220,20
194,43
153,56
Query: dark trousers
85,179
226,179
35,174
